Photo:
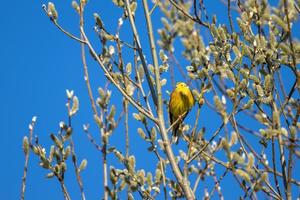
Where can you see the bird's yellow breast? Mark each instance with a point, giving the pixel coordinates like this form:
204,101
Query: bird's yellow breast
181,101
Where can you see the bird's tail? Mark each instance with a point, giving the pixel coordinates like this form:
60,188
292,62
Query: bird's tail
175,134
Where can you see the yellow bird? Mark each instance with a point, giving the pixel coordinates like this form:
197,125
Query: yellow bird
181,102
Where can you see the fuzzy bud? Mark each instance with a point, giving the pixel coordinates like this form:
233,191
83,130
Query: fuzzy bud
25,145
82,165
243,175
52,11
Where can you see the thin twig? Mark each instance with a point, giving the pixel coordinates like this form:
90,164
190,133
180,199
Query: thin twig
63,188
217,185
274,167
140,86
181,70
210,140
191,144
229,15
200,175
180,118
74,157
104,159
285,4
153,8
24,176
60,28
91,139
77,172
184,12
125,101
297,7
139,49
126,127
283,163
281,85
27,152
241,141
241,185
115,38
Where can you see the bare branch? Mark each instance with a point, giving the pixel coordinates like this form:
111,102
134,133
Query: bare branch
27,142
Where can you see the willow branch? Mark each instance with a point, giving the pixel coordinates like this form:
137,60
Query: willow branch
191,144
115,38
185,13
87,80
125,101
151,40
63,187
234,124
153,8
24,176
183,182
27,152
274,166
90,138
60,28
74,157
210,140
77,172
108,75
105,175
110,78
145,97
160,159
268,169
229,15
217,187
139,49
285,2
290,166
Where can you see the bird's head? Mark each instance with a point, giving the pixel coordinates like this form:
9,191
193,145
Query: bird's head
181,85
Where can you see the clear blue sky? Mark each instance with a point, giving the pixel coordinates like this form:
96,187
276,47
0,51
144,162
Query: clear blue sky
38,63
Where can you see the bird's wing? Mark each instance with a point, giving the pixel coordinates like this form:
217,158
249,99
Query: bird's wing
170,109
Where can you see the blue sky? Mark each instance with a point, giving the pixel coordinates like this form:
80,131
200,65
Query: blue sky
38,63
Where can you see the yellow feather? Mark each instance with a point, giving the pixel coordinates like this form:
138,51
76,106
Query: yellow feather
181,101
